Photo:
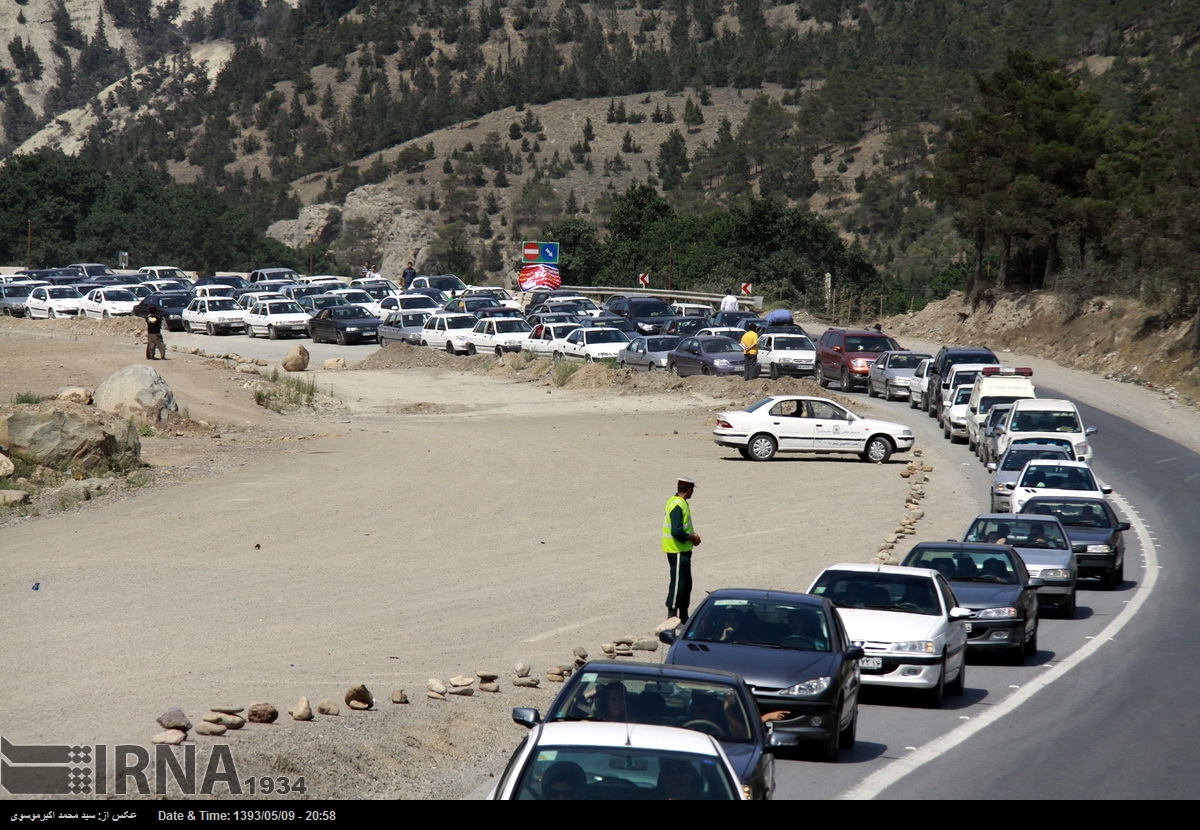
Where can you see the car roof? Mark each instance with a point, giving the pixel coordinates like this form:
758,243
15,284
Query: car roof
1056,462
982,547
1043,403
766,593
1009,517
862,567
665,671
636,735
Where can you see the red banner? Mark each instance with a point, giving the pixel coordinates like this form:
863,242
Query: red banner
539,276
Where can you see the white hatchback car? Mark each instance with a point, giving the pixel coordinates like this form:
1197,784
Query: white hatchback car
52,301
786,354
907,621
213,315
588,761
1053,477
277,318
797,423
103,303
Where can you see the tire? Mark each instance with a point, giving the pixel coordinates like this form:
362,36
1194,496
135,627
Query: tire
959,684
1031,647
744,453
673,369
650,367
913,401
878,450
558,357
774,373
250,332
848,736
340,337
591,359
50,315
871,393
828,750
424,342
946,432
846,384
105,315
762,447
271,333
704,370
471,350
1119,575
499,352
1068,610
210,329
935,697
187,326
822,381
449,347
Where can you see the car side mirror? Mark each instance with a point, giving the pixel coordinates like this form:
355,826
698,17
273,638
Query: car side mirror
1036,582
1123,526
974,410
667,637
528,718
1091,431
991,466
779,740
1079,548
1105,489
959,613
854,653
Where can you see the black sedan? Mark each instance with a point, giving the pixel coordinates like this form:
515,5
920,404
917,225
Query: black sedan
714,702
170,304
992,581
793,652
1096,534
344,324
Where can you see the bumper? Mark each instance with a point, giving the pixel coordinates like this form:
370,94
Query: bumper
958,430
1056,592
798,370
987,635
904,672
807,720
1096,564
363,337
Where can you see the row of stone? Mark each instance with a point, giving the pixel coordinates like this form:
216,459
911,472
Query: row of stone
917,474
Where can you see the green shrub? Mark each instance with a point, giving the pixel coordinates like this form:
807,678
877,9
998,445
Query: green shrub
27,397
564,371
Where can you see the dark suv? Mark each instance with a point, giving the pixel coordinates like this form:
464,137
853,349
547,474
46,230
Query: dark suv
947,357
648,314
846,355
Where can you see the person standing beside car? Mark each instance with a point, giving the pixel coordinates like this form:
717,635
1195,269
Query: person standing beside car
750,349
154,338
678,540
408,275
729,302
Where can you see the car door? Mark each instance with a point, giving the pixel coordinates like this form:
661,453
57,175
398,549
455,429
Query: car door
833,428
877,374
687,357
956,630
789,420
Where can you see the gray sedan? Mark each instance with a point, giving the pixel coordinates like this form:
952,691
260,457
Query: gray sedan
12,299
403,327
647,353
891,374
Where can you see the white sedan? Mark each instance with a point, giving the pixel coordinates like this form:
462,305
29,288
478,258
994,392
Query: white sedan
547,338
276,318
108,302
586,761
448,331
1053,477
52,301
911,627
591,345
498,335
798,423
360,298
213,315
786,354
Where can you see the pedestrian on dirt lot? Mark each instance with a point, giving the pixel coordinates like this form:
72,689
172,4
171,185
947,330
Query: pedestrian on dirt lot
154,338
729,302
678,540
750,349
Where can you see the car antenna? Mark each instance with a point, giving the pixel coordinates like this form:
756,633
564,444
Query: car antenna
628,733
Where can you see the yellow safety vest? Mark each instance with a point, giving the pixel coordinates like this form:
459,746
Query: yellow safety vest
669,543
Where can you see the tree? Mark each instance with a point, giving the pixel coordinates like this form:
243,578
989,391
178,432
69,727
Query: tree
635,211
672,160
693,117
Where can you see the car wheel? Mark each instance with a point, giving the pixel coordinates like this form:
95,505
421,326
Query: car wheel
1031,647
959,684
704,370
673,369
250,332
1119,575
913,401
774,373
591,359
846,385
828,751
471,349
105,315
558,357
935,697
50,315
744,453
272,334
1068,610
650,367
878,451
848,736
449,347
762,447
187,326
946,432
499,352
822,381
871,393
424,342
340,337
210,329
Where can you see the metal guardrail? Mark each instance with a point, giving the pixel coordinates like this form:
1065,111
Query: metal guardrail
754,303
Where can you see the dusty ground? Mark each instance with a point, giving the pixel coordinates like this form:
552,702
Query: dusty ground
436,516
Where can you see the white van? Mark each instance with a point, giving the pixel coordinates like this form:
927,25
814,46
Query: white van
995,385
1054,420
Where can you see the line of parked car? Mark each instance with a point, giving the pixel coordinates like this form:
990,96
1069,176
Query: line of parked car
758,671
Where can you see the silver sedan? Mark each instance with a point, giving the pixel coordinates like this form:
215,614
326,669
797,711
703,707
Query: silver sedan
892,373
647,353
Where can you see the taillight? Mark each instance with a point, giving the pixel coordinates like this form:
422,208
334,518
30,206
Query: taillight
724,424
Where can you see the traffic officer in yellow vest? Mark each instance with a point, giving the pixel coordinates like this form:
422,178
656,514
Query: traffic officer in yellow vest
678,539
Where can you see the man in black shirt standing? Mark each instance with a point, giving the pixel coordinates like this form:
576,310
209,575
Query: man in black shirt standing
154,338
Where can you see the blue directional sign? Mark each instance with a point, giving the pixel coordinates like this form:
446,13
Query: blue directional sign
539,252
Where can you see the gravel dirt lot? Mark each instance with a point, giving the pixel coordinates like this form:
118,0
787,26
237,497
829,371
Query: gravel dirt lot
431,517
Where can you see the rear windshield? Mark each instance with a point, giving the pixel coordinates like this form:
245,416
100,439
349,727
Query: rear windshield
870,343
1071,514
1021,533
879,591
1045,421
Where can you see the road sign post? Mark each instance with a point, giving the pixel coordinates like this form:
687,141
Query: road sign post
747,288
644,280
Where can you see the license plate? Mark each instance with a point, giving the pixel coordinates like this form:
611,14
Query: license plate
968,628
871,663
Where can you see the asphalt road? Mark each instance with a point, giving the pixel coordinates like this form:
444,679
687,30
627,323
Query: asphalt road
1086,718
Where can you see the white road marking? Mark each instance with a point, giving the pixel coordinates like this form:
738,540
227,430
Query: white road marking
876,783
572,627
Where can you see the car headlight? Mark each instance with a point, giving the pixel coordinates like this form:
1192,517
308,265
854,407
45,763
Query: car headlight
997,614
1081,448
906,432
722,362
809,687
958,422
902,381
1099,548
351,328
913,647
1056,573
859,363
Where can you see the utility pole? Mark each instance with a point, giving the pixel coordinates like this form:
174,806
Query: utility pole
670,267
28,244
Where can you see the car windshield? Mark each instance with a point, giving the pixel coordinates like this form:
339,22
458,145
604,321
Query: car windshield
603,336
1055,477
377,292
869,343
769,623
357,296
586,773
18,290
67,293
1044,421
415,320
659,700
349,312
1017,532
324,301
653,309
721,345
171,274
878,591
120,295
661,344
906,361
447,283
1015,460
507,326
1071,514
283,308
221,304
561,331
793,344
961,395
986,403
963,378
175,298
465,322
965,565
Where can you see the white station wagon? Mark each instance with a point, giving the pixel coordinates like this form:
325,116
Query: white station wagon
797,423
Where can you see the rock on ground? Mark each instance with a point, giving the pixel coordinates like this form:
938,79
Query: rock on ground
136,391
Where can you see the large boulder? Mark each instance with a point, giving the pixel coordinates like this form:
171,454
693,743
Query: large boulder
66,437
296,360
136,391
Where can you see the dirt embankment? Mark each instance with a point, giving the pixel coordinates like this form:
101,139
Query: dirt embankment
1116,338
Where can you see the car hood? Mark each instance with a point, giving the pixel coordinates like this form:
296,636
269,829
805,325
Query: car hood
759,666
1045,557
890,626
1089,535
976,595
744,757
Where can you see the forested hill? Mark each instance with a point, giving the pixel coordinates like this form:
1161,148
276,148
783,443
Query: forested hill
251,99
